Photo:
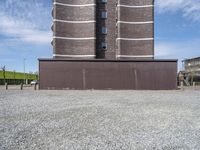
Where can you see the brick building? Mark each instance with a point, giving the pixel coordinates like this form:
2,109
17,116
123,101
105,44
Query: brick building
192,65
93,37
103,29
191,70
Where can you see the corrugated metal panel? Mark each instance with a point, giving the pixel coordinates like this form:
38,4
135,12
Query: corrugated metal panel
147,75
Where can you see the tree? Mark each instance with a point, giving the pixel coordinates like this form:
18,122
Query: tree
37,74
4,74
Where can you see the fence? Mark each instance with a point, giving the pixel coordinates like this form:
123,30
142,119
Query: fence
14,81
19,87
197,83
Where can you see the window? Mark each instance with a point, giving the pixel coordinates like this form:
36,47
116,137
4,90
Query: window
104,15
104,1
104,30
104,45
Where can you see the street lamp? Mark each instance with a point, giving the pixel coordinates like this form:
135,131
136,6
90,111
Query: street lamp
24,71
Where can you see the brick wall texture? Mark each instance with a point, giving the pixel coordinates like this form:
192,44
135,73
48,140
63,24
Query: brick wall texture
78,26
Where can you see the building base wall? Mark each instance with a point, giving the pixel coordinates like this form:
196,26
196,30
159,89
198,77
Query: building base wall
61,74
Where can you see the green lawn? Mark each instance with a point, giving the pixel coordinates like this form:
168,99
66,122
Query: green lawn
17,75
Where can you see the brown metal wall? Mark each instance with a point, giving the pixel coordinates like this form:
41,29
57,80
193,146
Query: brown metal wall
88,74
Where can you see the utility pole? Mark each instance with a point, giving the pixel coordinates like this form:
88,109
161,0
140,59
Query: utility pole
24,71
14,73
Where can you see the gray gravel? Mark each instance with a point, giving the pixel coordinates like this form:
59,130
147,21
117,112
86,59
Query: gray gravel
100,120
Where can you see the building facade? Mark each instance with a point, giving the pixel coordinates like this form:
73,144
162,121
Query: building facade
103,29
192,65
191,72
105,44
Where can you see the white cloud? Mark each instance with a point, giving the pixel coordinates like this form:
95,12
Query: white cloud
23,31
163,49
189,8
177,49
25,22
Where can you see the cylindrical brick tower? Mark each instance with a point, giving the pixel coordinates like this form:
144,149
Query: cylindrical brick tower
74,28
135,29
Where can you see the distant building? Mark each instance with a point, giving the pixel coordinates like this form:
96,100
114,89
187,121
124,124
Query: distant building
105,44
191,72
192,66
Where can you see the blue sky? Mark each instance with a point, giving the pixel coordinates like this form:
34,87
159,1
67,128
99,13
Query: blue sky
25,31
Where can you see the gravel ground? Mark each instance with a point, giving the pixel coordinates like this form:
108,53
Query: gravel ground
100,120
